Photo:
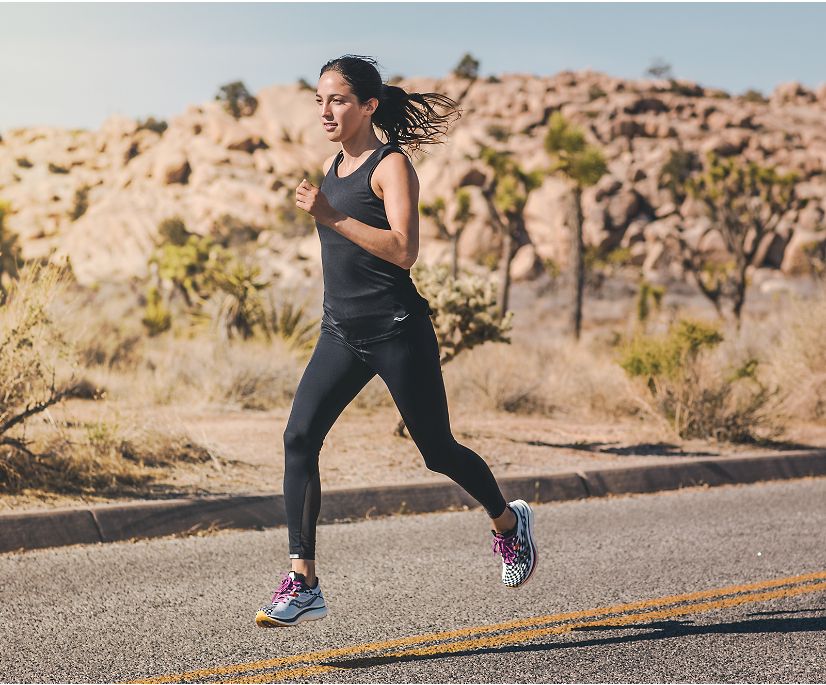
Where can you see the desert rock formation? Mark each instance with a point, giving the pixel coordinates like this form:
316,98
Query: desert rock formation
207,165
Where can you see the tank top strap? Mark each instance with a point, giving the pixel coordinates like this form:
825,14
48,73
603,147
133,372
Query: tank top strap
383,151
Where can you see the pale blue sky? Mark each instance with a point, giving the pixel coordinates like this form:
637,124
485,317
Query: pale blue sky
73,64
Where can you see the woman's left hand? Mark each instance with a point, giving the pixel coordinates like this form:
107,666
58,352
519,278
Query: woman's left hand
312,200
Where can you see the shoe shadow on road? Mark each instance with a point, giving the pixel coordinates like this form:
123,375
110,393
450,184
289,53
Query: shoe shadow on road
657,630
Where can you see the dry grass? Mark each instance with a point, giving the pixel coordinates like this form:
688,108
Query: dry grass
101,458
54,337
550,377
794,344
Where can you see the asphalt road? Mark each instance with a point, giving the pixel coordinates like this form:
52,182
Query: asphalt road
618,596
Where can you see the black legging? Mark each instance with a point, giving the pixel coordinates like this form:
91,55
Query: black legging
409,365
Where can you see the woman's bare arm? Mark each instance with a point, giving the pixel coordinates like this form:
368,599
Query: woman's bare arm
399,187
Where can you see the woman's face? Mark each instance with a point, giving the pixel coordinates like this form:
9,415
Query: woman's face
339,107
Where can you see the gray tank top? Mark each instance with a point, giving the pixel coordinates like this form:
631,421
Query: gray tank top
366,298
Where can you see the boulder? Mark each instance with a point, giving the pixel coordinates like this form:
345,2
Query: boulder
796,258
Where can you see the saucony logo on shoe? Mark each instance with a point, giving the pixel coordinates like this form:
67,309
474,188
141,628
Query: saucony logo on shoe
302,603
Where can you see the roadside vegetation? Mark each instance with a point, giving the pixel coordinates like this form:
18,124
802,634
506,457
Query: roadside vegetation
210,326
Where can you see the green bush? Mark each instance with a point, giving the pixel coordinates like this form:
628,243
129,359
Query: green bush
698,395
648,294
157,318
217,287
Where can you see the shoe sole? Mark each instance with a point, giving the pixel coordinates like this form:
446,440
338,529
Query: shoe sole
535,556
265,621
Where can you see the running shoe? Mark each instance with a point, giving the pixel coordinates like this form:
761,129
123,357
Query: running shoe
519,549
293,602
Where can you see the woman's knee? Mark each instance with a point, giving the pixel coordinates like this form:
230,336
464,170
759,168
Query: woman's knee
441,456
300,445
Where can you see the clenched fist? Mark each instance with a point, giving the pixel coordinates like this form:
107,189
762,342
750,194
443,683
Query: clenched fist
312,200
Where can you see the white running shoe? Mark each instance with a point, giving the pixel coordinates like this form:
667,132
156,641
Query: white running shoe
519,550
292,603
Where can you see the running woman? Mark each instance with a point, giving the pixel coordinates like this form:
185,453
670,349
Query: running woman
375,321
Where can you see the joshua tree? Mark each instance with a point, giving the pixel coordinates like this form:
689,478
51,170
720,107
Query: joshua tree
745,202
659,68
506,195
582,165
468,67
462,214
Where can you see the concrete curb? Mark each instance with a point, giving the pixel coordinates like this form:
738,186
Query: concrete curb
112,522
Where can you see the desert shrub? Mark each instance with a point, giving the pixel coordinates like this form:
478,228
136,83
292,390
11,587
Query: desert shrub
552,268
80,203
702,395
220,290
230,231
465,312
173,231
237,100
157,318
498,132
152,124
797,356
291,322
649,295
595,92
36,362
186,267
659,69
98,458
240,307
467,68
752,95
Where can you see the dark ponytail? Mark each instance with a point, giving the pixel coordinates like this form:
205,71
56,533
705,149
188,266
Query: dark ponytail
407,119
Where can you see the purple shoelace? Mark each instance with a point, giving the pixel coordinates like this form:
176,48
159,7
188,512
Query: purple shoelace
506,547
288,587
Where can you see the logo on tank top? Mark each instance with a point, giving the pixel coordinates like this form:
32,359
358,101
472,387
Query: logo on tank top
400,318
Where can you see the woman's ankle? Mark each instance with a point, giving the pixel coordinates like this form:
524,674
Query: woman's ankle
305,567
505,522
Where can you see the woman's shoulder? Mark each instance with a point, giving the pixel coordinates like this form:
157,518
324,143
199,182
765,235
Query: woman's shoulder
325,167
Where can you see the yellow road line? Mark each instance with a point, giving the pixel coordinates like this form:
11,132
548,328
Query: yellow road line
446,635
522,636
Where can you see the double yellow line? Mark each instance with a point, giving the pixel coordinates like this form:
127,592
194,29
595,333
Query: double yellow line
519,630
